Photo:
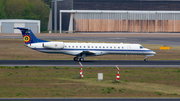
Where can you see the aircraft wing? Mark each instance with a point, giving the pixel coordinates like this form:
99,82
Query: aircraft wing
87,53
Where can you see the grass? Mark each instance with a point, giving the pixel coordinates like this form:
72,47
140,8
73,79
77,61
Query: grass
14,49
38,82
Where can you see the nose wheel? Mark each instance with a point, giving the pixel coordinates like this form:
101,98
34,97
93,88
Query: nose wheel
146,60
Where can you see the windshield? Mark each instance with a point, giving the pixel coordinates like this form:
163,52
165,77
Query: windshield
141,47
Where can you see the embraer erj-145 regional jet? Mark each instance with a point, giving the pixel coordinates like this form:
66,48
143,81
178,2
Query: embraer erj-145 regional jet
82,50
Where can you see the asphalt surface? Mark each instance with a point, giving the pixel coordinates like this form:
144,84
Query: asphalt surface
91,63
170,41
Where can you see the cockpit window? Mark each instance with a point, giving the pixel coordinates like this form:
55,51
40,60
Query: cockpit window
141,47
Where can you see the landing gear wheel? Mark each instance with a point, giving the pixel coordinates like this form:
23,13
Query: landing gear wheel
146,60
81,59
75,58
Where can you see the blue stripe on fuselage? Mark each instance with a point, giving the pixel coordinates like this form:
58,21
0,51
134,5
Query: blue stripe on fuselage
39,49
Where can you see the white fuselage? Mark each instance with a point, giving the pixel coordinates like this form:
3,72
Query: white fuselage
91,49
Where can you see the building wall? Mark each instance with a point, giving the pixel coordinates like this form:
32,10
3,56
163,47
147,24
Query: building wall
8,25
0,29
110,25
62,5
131,21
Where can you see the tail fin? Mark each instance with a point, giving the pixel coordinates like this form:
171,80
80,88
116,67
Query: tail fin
28,36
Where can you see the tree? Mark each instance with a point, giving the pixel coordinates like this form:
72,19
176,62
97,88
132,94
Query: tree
25,9
28,12
15,8
48,2
42,11
2,11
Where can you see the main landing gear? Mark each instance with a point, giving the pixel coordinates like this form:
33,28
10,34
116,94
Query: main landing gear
82,58
78,59
75,58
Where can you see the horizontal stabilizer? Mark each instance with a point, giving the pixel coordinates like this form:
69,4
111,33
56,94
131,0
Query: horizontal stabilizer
20,28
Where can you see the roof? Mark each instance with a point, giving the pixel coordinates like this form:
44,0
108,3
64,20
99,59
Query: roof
18,20
115,11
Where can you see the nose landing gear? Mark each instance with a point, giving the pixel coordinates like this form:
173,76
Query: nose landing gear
146,60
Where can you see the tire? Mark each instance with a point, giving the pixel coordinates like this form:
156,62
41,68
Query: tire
75,59
146,60
81,59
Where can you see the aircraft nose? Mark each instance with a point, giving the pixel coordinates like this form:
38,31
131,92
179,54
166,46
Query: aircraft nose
153,52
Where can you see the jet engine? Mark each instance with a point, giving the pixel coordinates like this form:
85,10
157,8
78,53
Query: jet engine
53,45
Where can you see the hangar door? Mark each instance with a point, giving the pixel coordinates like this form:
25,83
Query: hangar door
32,26
7,27
18,25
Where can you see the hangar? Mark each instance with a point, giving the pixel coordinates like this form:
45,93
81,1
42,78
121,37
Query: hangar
7,25
120,5
122,21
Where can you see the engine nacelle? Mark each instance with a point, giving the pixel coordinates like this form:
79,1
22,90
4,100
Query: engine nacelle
54,45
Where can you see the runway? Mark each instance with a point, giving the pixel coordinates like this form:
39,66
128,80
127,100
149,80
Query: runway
91,63
117,38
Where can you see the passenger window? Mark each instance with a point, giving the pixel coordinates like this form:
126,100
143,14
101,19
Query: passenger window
106,47
69,46
92,46
72,46
96,46
88,46
103,47
99,46
122,47
119,47
114,47
84,46
65,46
76,46
110,47
80,46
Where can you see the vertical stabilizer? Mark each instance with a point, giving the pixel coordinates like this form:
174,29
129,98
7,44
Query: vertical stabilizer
28,36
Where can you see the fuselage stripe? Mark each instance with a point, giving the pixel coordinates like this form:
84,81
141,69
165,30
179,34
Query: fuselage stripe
92,49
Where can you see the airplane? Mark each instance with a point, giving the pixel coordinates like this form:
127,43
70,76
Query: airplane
82,50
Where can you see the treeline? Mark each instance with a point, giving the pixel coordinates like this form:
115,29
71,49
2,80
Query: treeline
48,2
25,9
